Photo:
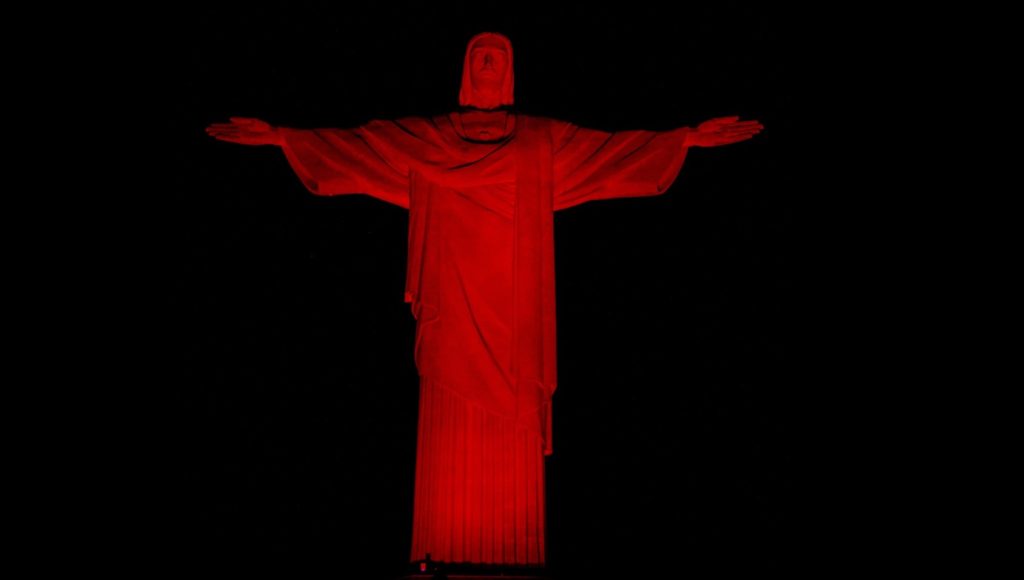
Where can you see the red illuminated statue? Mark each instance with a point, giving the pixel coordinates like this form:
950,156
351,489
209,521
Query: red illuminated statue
481,185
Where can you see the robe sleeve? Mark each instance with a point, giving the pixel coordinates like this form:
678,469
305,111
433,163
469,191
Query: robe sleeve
591,165
373,159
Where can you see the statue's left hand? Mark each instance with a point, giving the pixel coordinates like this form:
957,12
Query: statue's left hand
723,131
245,130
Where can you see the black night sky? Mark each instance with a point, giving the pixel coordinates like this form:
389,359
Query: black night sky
293,387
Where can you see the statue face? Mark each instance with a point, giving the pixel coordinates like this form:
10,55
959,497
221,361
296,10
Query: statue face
487,75
488,65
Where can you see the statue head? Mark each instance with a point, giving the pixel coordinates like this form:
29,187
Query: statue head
487,72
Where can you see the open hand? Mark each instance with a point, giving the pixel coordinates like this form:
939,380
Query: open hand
723,131
245,130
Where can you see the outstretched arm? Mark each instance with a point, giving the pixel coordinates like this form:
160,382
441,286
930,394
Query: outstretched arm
592,165
246,131
722,131
373,158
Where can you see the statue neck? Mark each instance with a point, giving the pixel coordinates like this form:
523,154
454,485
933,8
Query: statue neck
485,125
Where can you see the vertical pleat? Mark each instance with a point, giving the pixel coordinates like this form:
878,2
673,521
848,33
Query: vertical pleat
495,500
531,506
419,496
487,519
446,479
471,524
541,493
506,469
479,494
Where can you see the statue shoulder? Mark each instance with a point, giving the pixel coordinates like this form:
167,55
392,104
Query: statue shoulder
410,122
401,128
542,121
557,128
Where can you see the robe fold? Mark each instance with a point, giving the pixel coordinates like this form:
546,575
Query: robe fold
480,281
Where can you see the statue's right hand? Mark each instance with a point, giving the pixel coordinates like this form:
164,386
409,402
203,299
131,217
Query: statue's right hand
245,130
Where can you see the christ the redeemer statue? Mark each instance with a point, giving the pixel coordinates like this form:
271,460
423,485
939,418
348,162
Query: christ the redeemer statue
481,185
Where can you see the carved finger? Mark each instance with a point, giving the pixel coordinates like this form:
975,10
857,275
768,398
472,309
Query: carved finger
745,124
736,139
741,130
228,138
739,133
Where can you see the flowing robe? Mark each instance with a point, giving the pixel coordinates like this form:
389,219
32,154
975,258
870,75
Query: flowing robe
480,282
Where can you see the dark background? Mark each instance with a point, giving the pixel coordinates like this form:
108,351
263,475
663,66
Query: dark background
294,394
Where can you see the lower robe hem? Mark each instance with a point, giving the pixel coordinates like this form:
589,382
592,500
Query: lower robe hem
479,484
